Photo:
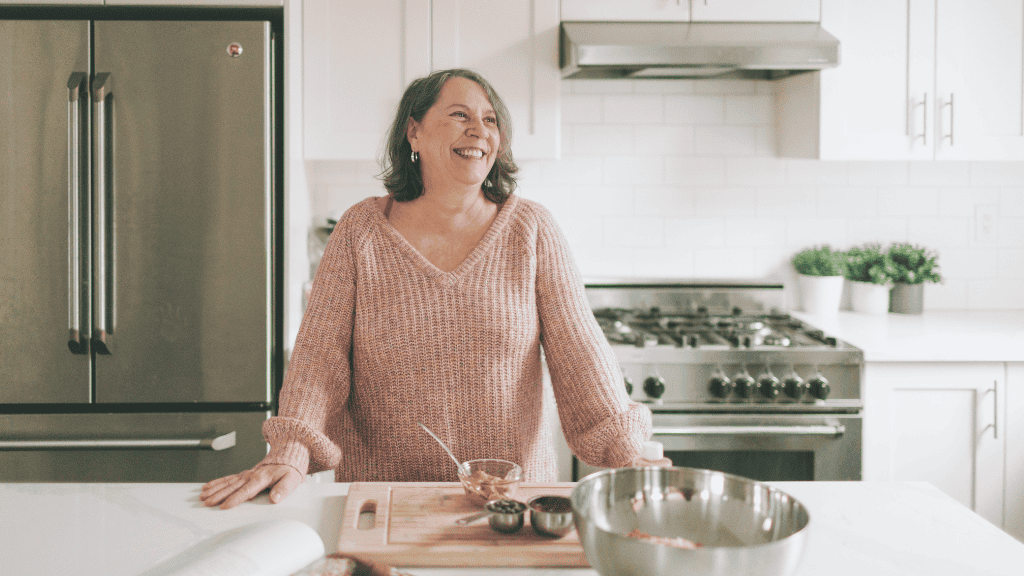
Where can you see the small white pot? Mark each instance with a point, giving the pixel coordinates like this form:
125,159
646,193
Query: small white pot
821,294
869,298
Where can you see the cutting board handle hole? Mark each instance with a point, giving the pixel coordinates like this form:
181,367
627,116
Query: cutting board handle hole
367,515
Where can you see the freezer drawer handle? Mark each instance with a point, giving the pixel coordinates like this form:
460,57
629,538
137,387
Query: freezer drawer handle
218,443
76,343
836,430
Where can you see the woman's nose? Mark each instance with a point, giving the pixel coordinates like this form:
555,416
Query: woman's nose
476,128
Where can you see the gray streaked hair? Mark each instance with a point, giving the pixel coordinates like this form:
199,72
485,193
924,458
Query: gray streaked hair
401,175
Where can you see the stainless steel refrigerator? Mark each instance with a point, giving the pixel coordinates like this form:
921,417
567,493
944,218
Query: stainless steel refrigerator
138,331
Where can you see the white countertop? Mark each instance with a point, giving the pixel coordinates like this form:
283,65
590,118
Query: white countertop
940,336
857,529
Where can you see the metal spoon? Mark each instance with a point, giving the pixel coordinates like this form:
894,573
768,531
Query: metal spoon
454,459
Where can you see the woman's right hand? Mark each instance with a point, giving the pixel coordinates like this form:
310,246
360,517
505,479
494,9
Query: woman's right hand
230,491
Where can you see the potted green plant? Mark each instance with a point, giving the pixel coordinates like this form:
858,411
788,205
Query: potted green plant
871,274
820,272
915,265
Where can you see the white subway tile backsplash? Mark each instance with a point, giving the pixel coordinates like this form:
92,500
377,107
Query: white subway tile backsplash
688,233
684,171
633,171
880,230
662,140
725,140
787,201
581,108
908,201
634,109
663,202
694,109
847,202
939,233
634,231
996,173
665,262
755,171
679,179
939,174
879,173
817,173
603,140
727,202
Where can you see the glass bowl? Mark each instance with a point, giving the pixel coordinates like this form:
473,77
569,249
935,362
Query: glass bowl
487,479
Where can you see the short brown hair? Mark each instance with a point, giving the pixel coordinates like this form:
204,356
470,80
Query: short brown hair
401,175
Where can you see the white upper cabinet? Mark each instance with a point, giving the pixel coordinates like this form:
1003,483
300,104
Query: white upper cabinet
519,58
358,57
917,80
627,10
755,10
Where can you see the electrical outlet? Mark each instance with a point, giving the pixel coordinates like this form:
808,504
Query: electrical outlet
986,223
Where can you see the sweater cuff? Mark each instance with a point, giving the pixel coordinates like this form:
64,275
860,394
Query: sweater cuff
291,454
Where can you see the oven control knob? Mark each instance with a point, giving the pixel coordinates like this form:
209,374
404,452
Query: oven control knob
654,386
744,385
819,387
769,386
629,385
795,387
720,386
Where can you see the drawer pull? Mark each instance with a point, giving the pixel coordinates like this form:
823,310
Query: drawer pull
222,442
837,430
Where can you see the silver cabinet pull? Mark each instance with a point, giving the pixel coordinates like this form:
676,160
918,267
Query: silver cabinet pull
75,342
836,430
100,90
218,443
951,123
995,409
924,120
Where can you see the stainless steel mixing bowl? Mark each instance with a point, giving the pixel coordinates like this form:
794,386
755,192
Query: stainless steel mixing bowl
744,527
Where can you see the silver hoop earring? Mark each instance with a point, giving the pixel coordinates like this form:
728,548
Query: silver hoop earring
415,156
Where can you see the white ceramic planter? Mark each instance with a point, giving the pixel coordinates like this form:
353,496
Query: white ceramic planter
821,294
869,298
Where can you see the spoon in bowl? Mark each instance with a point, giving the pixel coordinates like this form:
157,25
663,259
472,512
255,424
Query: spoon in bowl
446,449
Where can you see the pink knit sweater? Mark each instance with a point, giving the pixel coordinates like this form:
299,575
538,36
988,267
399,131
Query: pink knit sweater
390,340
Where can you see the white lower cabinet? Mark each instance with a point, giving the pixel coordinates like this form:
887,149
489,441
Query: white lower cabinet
943,423
1013,519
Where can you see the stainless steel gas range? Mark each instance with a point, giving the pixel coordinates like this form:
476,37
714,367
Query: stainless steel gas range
734,382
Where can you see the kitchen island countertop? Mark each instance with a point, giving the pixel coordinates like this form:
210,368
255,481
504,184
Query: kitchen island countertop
935,336
857,529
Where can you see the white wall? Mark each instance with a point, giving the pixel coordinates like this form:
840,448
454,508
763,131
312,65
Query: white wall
679,179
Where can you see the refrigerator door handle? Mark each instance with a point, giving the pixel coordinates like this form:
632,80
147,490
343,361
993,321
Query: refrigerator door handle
101,334
76,343
222,442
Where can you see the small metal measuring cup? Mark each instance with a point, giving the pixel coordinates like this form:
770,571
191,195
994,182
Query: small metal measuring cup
504,516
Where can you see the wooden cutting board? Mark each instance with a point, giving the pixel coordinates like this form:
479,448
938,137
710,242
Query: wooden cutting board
414,525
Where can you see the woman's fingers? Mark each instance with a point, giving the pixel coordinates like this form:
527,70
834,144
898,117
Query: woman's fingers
230,491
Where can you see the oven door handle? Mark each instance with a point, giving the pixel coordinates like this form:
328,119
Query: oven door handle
821,430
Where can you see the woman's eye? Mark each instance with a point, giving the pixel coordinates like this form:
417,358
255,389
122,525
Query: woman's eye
491,120
459,114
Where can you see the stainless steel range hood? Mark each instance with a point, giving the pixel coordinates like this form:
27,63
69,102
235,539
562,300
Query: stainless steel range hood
694,49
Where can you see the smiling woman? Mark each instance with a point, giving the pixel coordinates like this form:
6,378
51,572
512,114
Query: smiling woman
431,305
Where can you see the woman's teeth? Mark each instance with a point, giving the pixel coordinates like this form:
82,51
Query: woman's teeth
470,153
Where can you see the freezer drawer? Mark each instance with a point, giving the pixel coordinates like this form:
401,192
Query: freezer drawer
157,447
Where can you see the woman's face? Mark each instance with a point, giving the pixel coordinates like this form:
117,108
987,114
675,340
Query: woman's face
458,137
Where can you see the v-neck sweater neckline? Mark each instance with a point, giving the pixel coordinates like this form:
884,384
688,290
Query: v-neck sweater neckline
475,255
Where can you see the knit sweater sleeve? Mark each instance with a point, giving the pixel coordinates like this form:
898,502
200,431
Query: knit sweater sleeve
316,388
602,426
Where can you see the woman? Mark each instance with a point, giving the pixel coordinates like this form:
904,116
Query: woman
431,305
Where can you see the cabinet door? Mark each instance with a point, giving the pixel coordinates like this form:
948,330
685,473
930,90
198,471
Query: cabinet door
868,110
519,58
1013,520
755,10
627,10
978,80
358,57
938,422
